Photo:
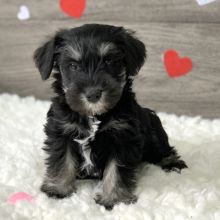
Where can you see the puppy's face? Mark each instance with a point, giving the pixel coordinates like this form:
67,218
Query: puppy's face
94,62
93,74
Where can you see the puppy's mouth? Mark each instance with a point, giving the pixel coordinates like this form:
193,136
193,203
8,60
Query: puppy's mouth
95,106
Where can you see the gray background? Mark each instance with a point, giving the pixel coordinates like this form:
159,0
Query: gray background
183,25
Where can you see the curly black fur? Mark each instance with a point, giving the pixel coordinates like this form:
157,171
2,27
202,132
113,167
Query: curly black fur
107,141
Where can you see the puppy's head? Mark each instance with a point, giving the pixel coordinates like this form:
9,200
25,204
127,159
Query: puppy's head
94,62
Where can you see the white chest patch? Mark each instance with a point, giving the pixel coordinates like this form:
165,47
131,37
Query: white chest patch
84,144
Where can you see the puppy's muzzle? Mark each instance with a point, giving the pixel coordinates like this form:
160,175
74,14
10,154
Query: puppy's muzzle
93,95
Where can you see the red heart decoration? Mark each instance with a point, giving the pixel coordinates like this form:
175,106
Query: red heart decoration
176,66
73,8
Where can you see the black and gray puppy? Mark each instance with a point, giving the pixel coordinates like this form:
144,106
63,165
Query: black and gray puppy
95,128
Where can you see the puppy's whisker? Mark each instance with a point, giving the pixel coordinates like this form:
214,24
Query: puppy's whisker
65,89
95,108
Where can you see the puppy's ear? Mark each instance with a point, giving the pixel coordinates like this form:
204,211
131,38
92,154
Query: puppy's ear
44,58
135,53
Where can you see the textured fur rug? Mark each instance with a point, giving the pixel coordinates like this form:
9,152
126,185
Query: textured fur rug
195,194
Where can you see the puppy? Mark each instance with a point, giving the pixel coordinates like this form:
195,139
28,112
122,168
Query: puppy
95,127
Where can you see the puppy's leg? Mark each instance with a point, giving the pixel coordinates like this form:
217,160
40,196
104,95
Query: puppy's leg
162,154
116,186
119,158
61,171
172,162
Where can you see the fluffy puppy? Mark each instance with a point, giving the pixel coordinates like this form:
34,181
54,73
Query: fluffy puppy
95,127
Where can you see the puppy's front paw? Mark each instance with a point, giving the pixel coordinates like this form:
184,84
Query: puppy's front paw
176,165
108,201
57,191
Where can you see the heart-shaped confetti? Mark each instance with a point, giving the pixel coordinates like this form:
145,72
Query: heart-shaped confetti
73,8
23,13
205,2
174,65
19,196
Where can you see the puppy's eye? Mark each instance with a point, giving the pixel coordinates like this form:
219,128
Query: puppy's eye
74,66
112,60
108,61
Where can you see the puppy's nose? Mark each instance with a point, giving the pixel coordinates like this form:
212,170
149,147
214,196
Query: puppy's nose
93,95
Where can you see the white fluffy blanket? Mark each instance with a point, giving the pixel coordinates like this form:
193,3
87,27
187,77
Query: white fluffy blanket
195,194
